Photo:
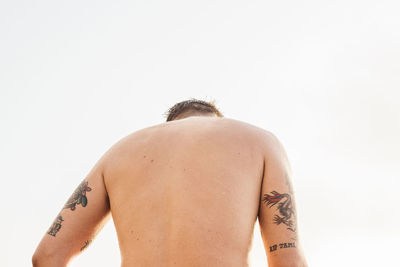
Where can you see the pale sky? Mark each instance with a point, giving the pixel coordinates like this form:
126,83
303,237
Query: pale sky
323,76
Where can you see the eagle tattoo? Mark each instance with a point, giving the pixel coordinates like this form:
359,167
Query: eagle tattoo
78,197
285,208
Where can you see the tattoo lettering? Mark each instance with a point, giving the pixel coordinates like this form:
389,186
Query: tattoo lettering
78,197
56,226
282,245
286,211
87,242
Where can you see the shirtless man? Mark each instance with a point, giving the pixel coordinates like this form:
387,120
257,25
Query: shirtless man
186,192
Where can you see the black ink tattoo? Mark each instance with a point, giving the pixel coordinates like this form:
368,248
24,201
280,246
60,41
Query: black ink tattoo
87,242
282,245
285,208
78,197
56,226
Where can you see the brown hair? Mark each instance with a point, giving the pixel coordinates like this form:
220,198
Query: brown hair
192,105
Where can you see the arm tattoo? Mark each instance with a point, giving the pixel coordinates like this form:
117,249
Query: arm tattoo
78,197
56,226
286,214
87,242
282,245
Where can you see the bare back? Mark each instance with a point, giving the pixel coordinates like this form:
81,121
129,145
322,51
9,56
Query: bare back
186,192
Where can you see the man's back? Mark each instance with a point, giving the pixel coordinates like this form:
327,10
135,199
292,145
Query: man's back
186,192
183,193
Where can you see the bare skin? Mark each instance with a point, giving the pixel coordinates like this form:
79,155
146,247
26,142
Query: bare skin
184,193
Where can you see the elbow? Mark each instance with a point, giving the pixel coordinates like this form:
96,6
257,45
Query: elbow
292,264
302,263
297,262
39,256
34,261
47,261
38,261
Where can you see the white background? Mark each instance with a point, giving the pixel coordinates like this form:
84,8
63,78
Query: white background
323,76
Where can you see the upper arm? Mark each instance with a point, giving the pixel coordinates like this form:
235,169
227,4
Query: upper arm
80,219
277,212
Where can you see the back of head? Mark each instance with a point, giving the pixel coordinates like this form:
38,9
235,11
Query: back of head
192,107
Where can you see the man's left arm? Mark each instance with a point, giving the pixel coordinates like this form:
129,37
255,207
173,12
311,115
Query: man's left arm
82,217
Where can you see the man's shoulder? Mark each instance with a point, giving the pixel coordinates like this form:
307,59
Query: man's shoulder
223,123
258,132
265,139
225,126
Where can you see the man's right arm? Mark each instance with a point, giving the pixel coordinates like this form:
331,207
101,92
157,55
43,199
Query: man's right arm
277,211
